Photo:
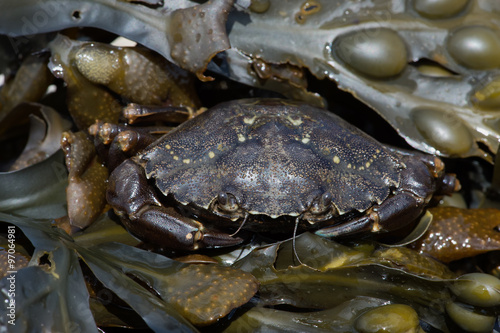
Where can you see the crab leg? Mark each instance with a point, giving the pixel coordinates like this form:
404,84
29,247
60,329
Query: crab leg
417,188
136,113
143,215
387,216
115,143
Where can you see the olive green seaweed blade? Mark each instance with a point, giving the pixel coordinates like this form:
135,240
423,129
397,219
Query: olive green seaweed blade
200,293
163,27
106,266
36,191
104,230
412,62
342,318
333,274
53,280
34,185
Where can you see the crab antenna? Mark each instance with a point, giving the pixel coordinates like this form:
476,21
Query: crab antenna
293,239
241,225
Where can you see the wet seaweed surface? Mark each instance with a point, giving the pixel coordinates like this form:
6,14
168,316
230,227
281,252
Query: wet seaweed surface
414,74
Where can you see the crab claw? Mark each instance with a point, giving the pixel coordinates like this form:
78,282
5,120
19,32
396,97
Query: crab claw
165,227
212,238
144,216
387,216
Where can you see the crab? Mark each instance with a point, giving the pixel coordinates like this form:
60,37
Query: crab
269,165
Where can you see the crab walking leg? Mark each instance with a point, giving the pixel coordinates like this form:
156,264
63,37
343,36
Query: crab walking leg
387,216
416,189
144,216
136,113
116,143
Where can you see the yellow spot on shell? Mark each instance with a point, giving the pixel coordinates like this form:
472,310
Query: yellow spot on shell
305,140
349,166
367,164
211,154
295,122
176,157
249,121
168,146
187,161
241,138
336,159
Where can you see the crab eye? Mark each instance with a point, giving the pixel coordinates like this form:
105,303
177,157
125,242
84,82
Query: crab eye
326,199
321,204
227,202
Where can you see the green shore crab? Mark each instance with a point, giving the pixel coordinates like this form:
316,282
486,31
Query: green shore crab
272,166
